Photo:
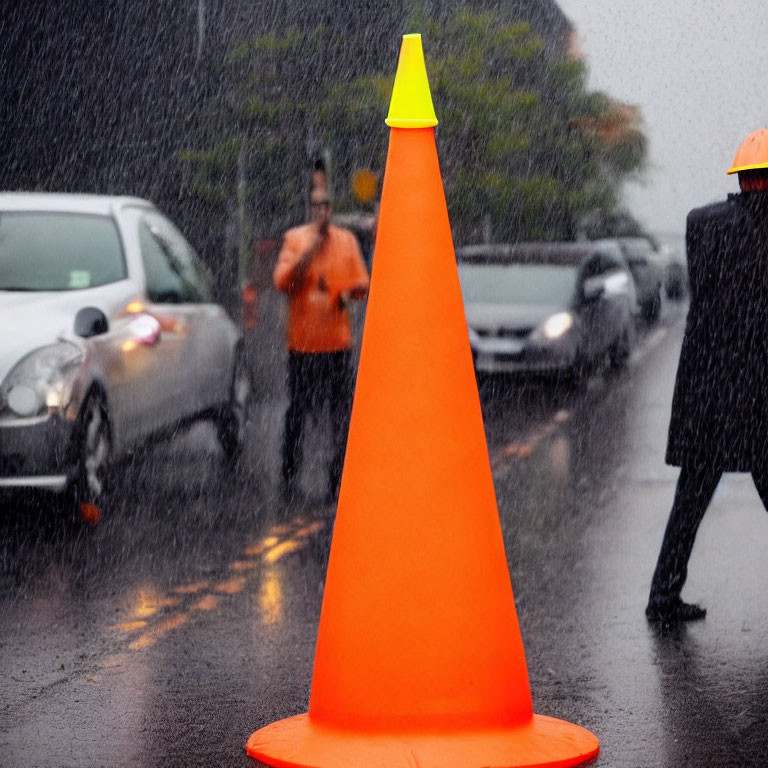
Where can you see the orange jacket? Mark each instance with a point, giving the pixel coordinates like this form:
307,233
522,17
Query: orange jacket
317,322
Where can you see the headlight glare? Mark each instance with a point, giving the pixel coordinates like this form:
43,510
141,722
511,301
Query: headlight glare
43,379
554,327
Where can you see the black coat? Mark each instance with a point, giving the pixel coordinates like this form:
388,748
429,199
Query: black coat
720,403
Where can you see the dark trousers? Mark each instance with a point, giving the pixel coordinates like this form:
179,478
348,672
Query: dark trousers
695,488
313,380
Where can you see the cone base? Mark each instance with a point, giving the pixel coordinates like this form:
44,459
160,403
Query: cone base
297,742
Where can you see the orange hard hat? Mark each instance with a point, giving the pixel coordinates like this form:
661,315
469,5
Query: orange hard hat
753,152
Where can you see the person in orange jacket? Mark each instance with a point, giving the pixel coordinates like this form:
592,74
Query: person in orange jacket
321,270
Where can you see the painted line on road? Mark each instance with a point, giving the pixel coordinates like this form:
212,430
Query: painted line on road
129,626
230,587
281,550
262,546
522,449
526,447
149,638
191,589
152,615
207,603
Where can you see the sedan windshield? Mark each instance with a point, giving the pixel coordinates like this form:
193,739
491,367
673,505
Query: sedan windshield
517,283
58,251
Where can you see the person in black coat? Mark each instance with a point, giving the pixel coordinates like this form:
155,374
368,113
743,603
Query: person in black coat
720,403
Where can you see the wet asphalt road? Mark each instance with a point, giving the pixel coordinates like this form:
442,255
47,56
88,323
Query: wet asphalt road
186,619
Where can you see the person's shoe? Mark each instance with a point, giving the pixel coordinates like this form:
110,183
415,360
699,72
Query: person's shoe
673,611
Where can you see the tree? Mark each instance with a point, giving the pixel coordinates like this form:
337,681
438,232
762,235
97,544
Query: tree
526,150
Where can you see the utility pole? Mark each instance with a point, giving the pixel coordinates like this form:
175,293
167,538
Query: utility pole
200,28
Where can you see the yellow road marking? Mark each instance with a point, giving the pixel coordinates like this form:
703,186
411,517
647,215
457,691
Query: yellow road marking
279,530
262,546
230,587
150,637
207,603
308,530
191,589
129,626
283,549
271,596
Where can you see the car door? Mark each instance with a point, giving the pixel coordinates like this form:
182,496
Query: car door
593,307
170,384
209,333
618,294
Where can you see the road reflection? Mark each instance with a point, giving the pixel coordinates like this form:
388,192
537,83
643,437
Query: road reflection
271,597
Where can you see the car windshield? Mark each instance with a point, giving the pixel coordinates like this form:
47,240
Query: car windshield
42,251
517,283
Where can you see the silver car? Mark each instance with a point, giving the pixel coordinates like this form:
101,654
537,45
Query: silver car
546,308
108,335
648,271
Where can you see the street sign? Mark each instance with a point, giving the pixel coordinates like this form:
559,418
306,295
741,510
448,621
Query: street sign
364,184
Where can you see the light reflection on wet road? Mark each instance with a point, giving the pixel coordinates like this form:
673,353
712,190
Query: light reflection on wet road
187,618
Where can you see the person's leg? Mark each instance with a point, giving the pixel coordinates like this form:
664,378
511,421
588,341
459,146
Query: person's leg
342,390
298,402
760,479
695,488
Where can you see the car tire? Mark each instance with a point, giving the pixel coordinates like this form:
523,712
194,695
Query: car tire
675,286
233,418
89,490
652,308
575,378
618,354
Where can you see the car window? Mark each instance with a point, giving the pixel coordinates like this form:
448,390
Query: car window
169,264
164,283
517,283
595,266
44,251
636,251
183,257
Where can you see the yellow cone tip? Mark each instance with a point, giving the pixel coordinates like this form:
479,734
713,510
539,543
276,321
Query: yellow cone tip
411,104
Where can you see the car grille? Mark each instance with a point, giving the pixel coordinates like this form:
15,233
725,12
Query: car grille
11,465
504,333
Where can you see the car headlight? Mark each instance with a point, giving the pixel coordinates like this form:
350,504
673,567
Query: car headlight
555,326
43,379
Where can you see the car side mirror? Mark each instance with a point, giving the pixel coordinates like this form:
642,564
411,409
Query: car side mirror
90,321
594,288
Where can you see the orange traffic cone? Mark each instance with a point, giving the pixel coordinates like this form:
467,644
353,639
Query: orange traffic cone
419,659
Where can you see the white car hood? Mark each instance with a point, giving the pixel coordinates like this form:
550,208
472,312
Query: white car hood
35,319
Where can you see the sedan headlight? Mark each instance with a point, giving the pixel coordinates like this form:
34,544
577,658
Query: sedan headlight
555,326
42,380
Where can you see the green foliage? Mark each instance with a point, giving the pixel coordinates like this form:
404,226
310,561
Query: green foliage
522,142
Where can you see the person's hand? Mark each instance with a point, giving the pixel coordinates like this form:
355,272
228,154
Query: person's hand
317,241
343,300
300,271
321,233
357,293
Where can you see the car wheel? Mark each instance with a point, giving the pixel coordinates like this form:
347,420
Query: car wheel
675,287
94,451
619,353
575,378
652,308
233,419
